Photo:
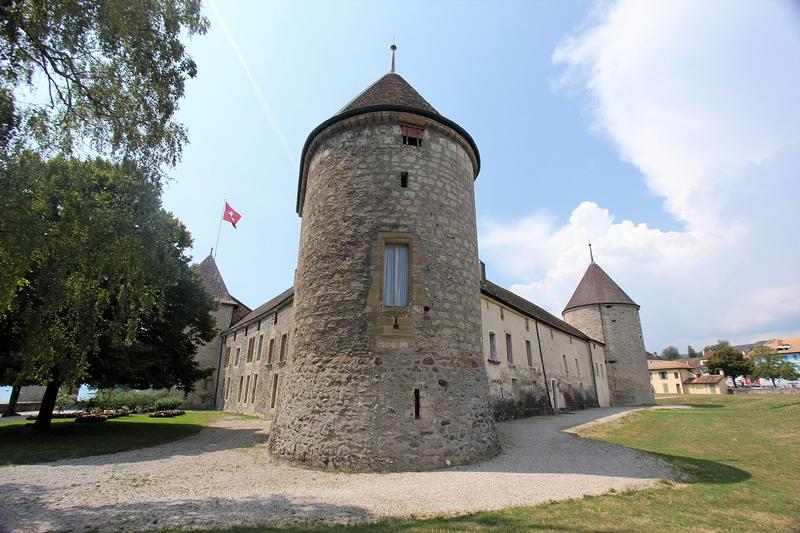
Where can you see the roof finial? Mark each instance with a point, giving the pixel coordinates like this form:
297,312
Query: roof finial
393,48
591,256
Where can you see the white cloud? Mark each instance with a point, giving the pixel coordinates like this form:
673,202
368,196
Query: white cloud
702,99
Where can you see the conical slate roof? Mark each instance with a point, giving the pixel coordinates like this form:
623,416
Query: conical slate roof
213,282
390,89
597,287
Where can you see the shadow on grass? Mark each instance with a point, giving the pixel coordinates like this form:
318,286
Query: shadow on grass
81,443
705,470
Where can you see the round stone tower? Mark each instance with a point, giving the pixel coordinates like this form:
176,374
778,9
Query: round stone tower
602,310
385,370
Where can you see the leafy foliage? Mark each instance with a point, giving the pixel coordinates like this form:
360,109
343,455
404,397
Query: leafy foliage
168,403
721,343
730,361
96,76
670,352
768,364
690,351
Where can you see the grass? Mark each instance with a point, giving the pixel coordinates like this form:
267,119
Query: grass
742,455
66,439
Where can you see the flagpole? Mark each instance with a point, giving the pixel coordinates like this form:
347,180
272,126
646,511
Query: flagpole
219,229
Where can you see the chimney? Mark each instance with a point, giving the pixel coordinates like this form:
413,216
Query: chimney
483,270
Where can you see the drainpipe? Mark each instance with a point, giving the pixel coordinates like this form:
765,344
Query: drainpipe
544,373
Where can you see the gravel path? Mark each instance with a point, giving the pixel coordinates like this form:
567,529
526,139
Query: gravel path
224,476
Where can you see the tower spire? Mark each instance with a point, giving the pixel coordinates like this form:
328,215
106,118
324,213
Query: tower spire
591,256
393,49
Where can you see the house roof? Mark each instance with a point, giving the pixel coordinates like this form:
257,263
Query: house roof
689,363
266,308
389,93
597,287
789,345
392,89
213,282
708,378
530,309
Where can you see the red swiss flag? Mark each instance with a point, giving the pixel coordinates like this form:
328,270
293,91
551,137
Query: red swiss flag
231,215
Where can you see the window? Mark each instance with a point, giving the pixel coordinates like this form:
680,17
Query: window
509,350
255,381
234,335
492,346
247,389
551,333
246,330
227,388
678,386
596,369
676,375
514,389
260,346
275,320
502,315
570,340
259,326
284,346
404,179
416,404
395,277
236,359
528,352
665,387
241,382
271,350
227,356
274,392
662,375
527,326
250,347
577,367
412,136
566,368
602,372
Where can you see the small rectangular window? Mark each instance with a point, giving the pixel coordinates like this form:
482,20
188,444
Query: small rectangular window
566,368
514,389
255,382
259,325
675,374
250,348
662,375
416,403
227,388
577,367
395,277
275,320
596,370
529,352
246,389
527,326
260,346
284,346
236,359
509,350
271,350
412,135
227,356
404,179
274,392
241,383
492,347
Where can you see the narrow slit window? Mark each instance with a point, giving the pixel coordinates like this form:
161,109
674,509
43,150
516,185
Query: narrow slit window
509,350
412,136
416,403
404,179
255,382
528,352
492,346
274,392
260,347
395,278
284,346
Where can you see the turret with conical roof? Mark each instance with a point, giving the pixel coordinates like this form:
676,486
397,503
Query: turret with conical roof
385,369
602,310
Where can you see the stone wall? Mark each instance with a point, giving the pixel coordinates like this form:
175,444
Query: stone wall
207,356
248,386
619,327
371,387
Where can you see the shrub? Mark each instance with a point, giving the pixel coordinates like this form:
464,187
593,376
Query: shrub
90,419
167,414
65,400
168,403
118,399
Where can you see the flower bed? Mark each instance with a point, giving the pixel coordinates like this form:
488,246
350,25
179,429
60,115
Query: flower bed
87,418
167,414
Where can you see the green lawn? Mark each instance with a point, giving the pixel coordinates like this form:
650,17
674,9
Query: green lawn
742,453
66,439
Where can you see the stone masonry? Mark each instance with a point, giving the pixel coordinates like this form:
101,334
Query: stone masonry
357,367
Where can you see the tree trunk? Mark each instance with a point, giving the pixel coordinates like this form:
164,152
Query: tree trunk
11,410
773,382
46,409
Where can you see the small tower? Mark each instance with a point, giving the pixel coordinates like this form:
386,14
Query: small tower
385,370
602,310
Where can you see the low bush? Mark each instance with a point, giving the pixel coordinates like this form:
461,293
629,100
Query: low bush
90,419
167,414
168,403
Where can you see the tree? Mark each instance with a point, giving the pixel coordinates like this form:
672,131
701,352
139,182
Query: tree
730,361
95,77
102,258
767,364
670,352
721,343
690,351
112,73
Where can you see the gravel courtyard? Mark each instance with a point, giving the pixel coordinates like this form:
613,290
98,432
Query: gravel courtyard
224,476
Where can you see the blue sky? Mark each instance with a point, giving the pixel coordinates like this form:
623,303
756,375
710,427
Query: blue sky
593,121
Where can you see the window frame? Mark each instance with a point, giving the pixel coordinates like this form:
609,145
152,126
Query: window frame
395,278
493,346
509,349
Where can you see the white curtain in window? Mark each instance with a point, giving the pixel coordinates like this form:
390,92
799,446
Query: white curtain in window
395,281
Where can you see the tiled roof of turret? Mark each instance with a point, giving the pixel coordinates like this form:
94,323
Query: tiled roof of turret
390,89
213,282
597,287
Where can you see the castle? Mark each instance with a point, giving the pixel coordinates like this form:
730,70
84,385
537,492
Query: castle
392,351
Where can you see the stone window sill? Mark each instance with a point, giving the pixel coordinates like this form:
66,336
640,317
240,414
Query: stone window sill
492,361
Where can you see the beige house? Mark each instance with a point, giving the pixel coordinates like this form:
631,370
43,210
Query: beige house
684,376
